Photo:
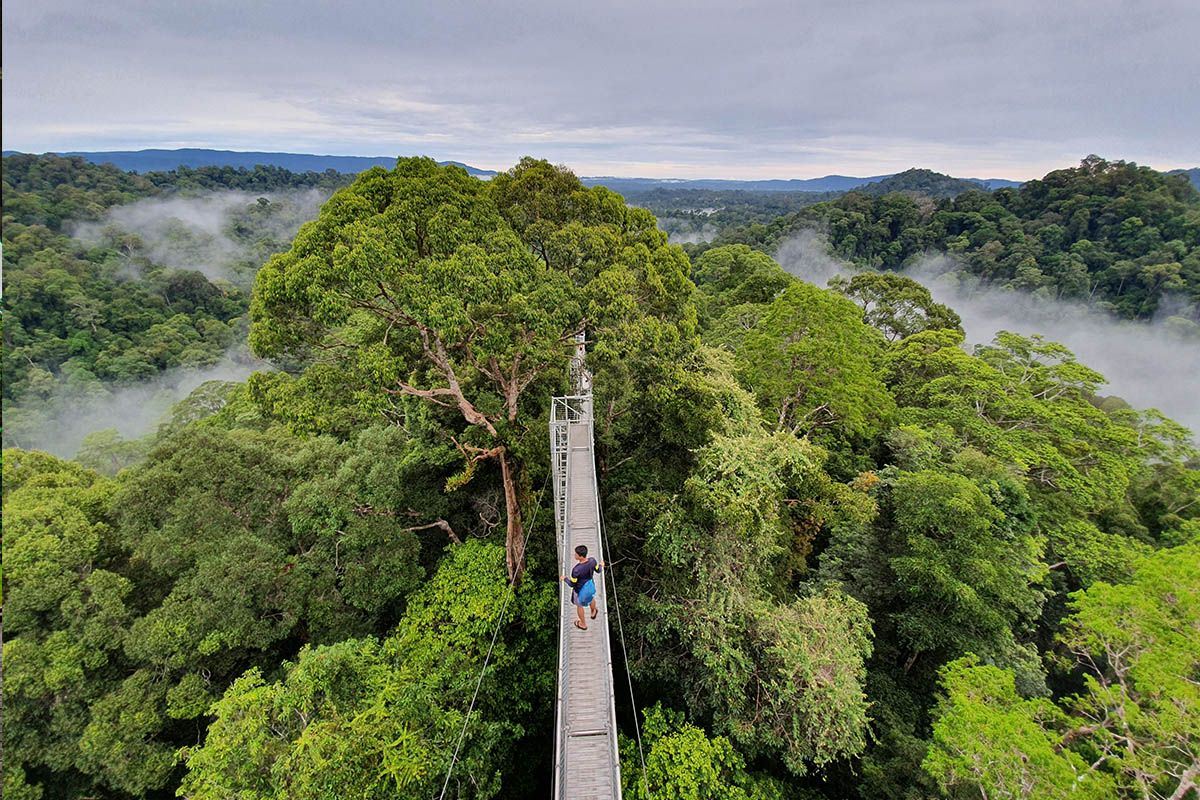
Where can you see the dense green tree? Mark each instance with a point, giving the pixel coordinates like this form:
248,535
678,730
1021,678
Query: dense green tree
414,283
131,606
259,537
963,579
735,274
990,741
66,616
740,646
537,199
684,763
896,305
108,452
813,364
1106,231
368,719
414,277
1131,731
1024,401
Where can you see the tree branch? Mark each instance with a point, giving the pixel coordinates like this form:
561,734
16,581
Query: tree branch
442,524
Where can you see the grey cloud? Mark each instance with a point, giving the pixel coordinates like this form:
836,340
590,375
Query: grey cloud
727,89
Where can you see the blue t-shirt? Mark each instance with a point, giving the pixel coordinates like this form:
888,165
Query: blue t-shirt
582,573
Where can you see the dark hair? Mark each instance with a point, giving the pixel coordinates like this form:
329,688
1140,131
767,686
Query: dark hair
581,551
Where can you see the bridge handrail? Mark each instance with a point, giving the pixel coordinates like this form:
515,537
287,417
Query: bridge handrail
560,449
608,673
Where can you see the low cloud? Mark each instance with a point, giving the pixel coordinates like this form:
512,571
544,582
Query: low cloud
806,255
223,234
59,423
687,230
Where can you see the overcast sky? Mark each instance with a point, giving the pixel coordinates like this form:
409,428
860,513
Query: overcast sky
736,89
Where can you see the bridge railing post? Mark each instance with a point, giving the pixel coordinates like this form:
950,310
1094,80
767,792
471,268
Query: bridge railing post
560,446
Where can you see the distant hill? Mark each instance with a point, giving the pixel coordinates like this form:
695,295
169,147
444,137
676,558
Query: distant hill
991,184
1192,175
166,160
925,182
830,183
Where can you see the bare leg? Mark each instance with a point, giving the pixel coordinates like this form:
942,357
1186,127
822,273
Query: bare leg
594,611
582,623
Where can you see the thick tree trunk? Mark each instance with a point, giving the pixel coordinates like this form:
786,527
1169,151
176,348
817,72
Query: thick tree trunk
514,542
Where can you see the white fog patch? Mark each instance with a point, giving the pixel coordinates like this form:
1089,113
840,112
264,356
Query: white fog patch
204,232
226,235
687,230
1149,364
806,255
59,423
693,236
1152,364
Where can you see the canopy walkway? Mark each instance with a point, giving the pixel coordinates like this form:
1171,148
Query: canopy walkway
585,758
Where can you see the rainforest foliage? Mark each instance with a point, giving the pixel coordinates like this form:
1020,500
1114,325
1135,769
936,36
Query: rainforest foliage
1110,232
854,559
89,300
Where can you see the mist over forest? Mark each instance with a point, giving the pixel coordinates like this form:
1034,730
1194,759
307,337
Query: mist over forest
61,421
127,292
223,234
1149,364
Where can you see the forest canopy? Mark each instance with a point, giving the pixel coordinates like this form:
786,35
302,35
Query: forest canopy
113,279
1110,232
855,558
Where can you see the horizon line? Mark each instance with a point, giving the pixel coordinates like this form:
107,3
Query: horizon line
632,176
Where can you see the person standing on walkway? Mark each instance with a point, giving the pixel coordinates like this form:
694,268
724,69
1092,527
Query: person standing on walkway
583,587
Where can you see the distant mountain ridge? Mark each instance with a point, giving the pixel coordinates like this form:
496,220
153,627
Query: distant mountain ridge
829,183
166,160
159,160
1192,175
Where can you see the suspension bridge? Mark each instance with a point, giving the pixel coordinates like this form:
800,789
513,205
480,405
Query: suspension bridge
586,763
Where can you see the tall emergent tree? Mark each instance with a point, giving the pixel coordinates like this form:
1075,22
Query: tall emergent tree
426,285
412,280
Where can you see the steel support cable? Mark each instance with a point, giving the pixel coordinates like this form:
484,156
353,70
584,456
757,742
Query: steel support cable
495,635
637,725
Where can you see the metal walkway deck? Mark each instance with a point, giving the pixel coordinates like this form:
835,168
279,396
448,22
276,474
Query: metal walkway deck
586,764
